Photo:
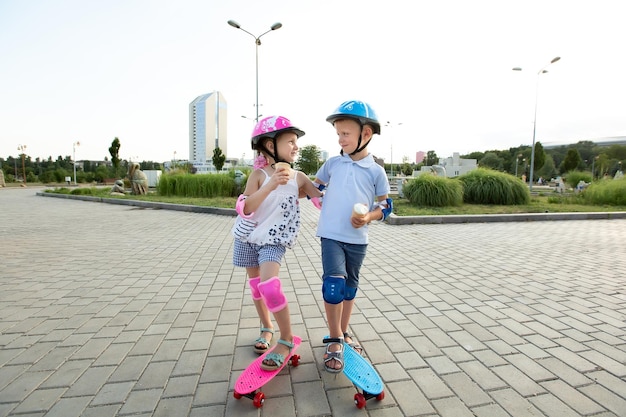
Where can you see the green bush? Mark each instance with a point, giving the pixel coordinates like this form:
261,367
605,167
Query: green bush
433,191
485,186
85,191
609,192
572,178
199,185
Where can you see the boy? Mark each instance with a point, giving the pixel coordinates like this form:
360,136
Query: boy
351,177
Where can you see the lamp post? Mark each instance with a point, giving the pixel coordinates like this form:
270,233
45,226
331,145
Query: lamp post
21,148
593,166
532,151
75,144
389,124
517,162
255,120
257,41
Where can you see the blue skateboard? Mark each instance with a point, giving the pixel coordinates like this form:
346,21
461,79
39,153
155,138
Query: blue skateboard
363,375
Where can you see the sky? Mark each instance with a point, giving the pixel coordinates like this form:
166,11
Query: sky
438,73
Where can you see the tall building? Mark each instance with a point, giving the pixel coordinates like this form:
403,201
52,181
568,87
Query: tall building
207,129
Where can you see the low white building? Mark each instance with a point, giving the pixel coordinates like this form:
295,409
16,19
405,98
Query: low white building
153,176
450,167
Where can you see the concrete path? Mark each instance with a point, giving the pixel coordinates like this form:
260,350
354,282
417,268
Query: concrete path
111,310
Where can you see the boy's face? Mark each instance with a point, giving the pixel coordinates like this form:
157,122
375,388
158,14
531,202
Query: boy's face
287,146
348,132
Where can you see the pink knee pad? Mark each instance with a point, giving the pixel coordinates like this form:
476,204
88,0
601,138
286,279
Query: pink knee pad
254,288
273,295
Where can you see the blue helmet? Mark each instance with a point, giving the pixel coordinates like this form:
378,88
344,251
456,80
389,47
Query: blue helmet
357,110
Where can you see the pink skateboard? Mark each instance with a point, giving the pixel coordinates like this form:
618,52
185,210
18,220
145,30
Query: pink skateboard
253,377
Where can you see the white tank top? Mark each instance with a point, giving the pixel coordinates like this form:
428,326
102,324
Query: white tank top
278,217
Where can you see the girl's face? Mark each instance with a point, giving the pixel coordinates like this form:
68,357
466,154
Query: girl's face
348,132
287,146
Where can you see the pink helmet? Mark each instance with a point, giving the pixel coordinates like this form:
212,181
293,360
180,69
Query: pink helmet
271,127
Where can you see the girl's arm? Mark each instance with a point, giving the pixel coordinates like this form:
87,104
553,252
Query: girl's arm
306,187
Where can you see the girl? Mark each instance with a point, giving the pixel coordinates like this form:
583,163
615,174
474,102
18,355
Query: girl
267,224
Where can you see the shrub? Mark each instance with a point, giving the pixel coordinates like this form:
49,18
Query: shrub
609,192
433,191
485,186
85,191
574,177
198,185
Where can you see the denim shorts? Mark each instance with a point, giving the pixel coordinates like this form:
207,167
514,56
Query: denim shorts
343,259
249,255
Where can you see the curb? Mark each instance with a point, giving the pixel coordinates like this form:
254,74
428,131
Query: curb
145,204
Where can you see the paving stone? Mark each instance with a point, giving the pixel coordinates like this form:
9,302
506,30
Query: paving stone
452,329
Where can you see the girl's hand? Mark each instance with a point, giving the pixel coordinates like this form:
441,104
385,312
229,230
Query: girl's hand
279,177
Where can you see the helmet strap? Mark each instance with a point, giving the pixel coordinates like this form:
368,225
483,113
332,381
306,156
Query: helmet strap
359,148
274,155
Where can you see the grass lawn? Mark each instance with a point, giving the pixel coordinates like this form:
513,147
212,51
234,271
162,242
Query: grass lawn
542,203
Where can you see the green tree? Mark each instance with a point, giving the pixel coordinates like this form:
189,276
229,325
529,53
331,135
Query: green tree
309,160
114,150
102,172
218,159
491,160
406,168
548,170
540,156
431,158
617,152
474,155
571,161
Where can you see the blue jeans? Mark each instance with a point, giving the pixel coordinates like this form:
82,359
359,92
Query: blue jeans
342,259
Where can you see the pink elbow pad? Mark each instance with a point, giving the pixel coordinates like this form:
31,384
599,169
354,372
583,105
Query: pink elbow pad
241,204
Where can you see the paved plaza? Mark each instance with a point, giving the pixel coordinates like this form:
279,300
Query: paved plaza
113,310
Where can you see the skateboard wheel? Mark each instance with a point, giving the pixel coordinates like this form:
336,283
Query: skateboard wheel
380,396
236,395
295,360
259,399
359,400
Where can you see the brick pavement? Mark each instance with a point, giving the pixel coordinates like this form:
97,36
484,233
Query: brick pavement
109,310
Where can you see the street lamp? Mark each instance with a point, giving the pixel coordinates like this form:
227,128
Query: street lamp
532,151
77,143
517,162
21,148
255,120
389,124
593,166
257,41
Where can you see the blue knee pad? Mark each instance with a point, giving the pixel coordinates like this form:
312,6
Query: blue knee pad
334,289
350,293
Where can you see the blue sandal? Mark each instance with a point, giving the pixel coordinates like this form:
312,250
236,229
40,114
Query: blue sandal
277,358
261,340
352,343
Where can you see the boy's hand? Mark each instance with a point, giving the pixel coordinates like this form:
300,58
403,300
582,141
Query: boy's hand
358,222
